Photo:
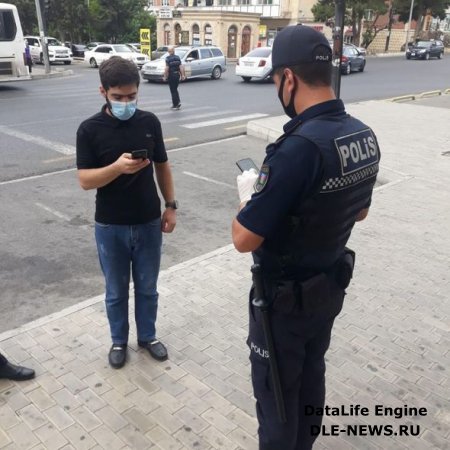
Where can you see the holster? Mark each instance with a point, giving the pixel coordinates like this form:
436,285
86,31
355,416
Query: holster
316,293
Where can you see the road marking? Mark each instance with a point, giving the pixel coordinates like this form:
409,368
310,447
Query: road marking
244,125
65,149
58,172
210,123
62,158
189,147
210,180
36,177
200,116
53,211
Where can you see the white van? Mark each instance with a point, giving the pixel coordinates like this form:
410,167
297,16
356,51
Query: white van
56,51
12,46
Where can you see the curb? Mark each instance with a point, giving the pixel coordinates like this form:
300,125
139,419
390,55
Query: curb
426,94
59,74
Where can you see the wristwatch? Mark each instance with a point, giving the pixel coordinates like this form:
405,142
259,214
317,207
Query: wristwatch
173,205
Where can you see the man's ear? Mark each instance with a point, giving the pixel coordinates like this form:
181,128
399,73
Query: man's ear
102,91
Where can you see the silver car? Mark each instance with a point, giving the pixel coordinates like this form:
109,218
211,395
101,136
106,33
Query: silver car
198,61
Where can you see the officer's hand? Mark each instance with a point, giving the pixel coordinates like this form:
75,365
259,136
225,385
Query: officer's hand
125,164
245,183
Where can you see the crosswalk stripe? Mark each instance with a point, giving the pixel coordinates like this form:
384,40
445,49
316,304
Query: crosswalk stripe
209,123
200,116
65,149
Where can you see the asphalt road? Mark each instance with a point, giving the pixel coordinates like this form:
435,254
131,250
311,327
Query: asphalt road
47,250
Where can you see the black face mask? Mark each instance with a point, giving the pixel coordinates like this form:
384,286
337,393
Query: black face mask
290,108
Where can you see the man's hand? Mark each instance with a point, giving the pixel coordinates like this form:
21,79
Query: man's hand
125,164
245,183
168,220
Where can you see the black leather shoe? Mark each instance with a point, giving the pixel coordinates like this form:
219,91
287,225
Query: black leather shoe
16,373
117,355
156,349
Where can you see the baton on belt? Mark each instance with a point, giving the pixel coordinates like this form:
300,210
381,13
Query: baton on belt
260,301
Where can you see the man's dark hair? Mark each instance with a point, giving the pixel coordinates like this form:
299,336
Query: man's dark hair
117,71
313,74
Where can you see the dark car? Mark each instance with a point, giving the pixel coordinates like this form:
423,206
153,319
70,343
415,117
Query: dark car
352,60
425,50
78,50
91,45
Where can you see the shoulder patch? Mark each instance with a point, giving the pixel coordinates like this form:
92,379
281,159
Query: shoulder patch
262,179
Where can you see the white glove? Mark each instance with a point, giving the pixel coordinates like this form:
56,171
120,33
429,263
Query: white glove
245,183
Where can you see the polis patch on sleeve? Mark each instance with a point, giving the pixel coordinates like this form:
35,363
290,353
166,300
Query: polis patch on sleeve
357,151
262,179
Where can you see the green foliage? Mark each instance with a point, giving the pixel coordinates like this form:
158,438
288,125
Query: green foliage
89,20
421,7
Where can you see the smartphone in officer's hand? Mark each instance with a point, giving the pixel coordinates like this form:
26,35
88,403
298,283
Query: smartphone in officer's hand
139,154
247,164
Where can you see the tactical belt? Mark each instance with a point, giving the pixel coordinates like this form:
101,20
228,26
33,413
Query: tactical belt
315,293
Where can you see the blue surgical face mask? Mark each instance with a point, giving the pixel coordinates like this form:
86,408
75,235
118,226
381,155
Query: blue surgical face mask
122,110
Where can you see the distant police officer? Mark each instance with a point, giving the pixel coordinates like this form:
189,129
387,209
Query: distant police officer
296,217
173,73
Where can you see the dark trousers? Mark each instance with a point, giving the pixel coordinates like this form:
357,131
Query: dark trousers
301,341
174,81
3,360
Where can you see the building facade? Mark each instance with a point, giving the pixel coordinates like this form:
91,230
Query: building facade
236,26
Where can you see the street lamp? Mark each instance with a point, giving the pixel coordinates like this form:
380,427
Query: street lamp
409,25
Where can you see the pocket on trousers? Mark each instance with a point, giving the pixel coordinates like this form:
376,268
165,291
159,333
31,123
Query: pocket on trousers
260,377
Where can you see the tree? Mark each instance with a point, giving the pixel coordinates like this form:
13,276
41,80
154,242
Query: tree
27,14
421,9
324,12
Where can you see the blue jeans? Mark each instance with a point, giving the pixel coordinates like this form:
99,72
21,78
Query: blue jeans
135,249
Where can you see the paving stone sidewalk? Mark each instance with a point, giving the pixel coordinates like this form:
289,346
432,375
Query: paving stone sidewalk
390,345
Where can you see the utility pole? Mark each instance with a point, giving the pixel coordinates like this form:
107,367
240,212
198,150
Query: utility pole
338,36
409,25
42,36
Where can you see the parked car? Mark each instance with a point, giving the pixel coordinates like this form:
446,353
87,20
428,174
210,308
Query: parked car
256,64
198,61
135,46
352,60
104,51
160,51
56,51
92,45
425,50
361,50
78,50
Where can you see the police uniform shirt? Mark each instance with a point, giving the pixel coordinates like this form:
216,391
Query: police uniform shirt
293,173
174,63
101,140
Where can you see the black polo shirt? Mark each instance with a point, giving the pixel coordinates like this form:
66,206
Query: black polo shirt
174,63
101,139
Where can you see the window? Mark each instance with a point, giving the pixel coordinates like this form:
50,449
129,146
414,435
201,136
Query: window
205,53
8,28
193,55
224,2
243,2
216,52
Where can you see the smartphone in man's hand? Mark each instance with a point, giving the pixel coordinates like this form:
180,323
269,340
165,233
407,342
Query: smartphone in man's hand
139,154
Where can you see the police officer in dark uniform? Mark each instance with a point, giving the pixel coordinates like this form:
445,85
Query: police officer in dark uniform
174,72
296,217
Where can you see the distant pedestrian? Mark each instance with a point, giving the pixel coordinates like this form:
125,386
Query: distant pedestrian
10,371
119,150
173,74
28,60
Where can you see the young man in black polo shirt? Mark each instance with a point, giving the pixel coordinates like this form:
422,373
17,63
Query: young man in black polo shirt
128,222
